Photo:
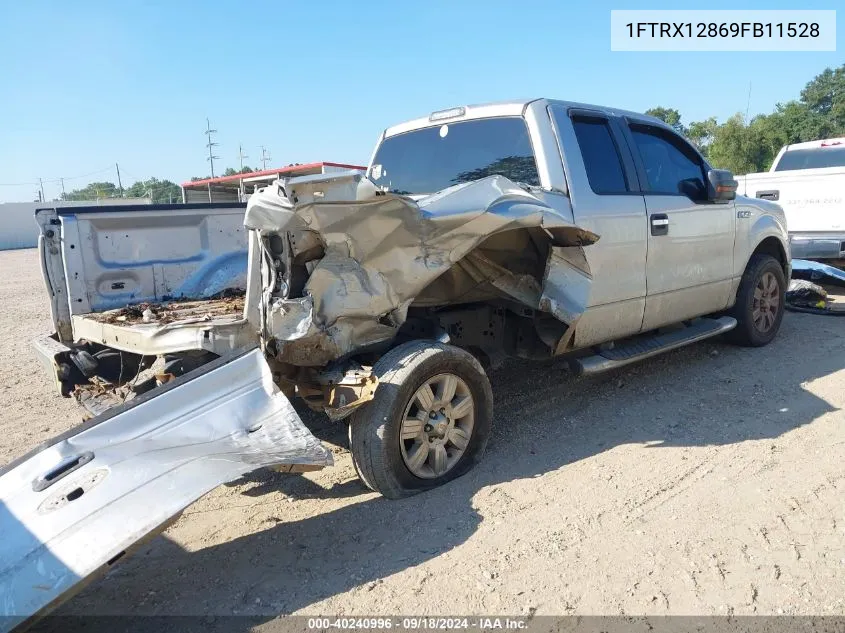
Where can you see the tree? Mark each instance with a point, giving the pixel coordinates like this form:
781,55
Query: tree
701,133
738,147
93,191
159,191
670,116
824,95
231,171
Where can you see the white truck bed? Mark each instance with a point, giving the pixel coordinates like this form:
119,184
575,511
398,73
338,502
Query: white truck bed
188,263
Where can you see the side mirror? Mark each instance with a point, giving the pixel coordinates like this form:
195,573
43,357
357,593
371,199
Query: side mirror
721,186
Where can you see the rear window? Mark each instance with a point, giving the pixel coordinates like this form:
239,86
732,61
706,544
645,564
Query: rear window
812,158
428,160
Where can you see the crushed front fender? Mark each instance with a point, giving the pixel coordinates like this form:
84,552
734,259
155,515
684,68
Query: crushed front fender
74,506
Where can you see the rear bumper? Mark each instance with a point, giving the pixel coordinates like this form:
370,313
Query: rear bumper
53,355
817,245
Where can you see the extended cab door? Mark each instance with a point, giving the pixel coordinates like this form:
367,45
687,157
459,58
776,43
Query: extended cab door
605,199
690,240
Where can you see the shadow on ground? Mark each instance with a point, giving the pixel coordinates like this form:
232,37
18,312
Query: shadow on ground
708,394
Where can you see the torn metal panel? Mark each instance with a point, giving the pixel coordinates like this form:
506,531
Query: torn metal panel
71,508
818,272
382,250
566,283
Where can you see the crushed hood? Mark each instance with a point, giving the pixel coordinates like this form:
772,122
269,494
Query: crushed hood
381,250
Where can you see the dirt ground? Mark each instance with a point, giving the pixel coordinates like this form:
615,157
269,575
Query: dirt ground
706,481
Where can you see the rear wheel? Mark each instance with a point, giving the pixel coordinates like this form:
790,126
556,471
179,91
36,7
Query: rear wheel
759,302
428,423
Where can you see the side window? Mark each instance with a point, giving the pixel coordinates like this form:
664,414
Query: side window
600,154
671,165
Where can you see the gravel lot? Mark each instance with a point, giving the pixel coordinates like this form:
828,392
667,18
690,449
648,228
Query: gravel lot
706,481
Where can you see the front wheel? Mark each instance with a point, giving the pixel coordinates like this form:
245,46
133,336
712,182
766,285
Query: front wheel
428,423
759,302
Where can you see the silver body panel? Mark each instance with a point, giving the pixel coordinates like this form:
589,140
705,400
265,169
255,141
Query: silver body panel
140,467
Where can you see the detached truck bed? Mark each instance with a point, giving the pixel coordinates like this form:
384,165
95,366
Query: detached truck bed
149,280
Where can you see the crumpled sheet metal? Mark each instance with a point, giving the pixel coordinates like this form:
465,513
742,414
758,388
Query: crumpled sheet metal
147,461
382,250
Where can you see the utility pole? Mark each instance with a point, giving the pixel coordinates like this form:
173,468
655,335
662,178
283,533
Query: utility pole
241,155
265,156
40,190
63,188
119,184
210,145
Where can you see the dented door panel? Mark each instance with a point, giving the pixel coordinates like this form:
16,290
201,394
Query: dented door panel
74,506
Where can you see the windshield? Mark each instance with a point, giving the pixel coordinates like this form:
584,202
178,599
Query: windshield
833,156
430,159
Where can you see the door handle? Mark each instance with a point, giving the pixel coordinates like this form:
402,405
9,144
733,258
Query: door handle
771,194
63,468
659,224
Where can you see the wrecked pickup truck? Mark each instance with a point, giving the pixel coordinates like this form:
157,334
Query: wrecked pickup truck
529,229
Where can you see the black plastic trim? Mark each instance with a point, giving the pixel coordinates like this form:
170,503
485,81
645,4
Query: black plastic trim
110,208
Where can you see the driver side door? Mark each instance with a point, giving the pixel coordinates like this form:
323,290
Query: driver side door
690,239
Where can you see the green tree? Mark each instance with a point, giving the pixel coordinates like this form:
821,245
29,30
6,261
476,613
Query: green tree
670,116
738,147
824,95
93,191
159,191
701,133
231,171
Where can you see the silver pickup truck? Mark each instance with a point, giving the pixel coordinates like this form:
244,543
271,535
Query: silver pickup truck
529,229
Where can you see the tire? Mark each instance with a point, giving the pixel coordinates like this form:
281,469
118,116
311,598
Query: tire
389,463
762,274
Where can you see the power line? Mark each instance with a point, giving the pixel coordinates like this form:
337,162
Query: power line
54,180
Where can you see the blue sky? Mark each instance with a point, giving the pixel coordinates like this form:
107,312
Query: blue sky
87,83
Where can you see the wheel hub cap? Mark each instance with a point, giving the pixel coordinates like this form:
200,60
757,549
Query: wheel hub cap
766,302
437,426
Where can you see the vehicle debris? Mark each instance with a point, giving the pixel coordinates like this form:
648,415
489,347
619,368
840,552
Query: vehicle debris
806,296
818,272
231,302
73,507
